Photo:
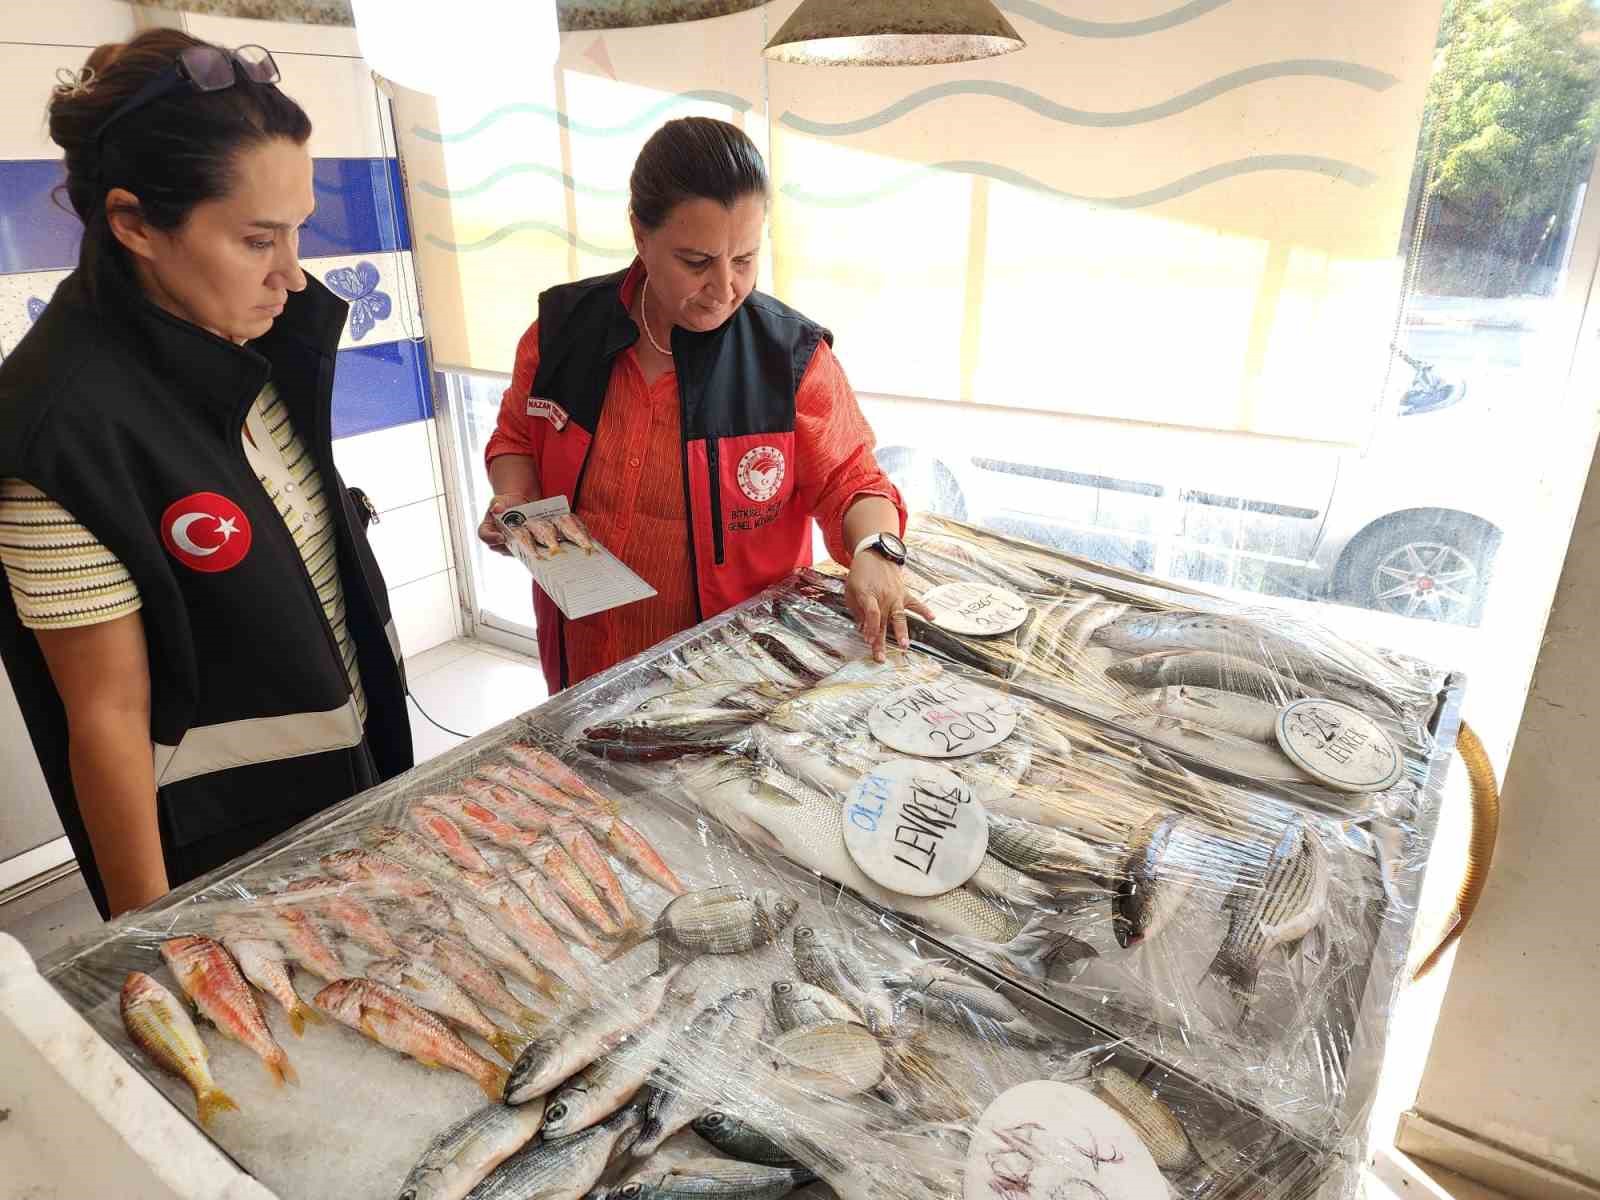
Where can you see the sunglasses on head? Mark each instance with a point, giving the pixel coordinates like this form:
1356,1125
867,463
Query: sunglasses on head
199,69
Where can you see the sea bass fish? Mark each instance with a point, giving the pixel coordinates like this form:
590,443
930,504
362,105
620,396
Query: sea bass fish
429,987
158,1025
462,1156
1152,886
1275,904
562,1169
582,1037
709,1179
1227,712
210,978
1209,669
388,1018
262,962
602,1087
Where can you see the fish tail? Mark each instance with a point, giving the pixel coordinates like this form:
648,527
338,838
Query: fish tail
633,938
937,1095
281,1069
492,1080
529,1020
1042,942
301,1015
507,1045
211,1101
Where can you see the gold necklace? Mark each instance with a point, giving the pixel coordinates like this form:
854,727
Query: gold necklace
645,321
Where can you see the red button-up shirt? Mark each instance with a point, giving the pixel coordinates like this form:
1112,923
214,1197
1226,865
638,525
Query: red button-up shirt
633,493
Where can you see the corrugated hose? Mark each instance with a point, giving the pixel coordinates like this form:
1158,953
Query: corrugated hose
1485,817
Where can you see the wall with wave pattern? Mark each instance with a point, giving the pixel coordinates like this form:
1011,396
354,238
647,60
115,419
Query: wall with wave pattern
1185,212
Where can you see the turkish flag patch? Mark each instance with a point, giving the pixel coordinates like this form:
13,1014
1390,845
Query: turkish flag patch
206,532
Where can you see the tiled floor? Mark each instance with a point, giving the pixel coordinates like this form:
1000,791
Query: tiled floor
466,686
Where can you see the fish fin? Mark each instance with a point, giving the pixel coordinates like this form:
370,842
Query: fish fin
1043,940
1236,973
368,1028
297,1019
529,1020
212,1101
493,1082
507,1045
282,1069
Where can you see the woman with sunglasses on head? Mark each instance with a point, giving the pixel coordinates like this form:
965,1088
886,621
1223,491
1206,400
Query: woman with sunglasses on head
695,425
195,627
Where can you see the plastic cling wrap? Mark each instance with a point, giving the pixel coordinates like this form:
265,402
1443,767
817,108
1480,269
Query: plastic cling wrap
625,945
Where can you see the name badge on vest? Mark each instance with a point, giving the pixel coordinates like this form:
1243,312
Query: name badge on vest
549,410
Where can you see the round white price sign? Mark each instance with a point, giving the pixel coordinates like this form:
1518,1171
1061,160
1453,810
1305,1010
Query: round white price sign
946,718
1340,745
976,609
1053,1139
915,828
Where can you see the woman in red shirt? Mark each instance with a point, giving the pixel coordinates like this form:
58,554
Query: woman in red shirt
695,425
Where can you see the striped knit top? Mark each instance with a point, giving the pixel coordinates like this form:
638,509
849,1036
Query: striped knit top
61,577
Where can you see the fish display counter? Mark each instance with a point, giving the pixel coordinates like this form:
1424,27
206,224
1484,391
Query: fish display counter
751,915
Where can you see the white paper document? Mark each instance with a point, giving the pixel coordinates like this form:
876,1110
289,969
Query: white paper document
581,579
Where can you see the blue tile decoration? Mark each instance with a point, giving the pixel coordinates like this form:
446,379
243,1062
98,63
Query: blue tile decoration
375,387
360,210
36,233
359,285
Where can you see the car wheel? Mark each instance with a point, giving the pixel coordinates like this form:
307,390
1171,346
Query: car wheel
1433,566
925,483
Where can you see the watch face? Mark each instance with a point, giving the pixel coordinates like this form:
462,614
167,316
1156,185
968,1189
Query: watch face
892,546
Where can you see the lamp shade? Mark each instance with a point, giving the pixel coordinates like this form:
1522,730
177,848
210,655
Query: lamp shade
460,46
889,33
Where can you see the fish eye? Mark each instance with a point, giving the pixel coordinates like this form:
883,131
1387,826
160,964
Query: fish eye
803,932
783,989
713,1120
633,1189
556,1112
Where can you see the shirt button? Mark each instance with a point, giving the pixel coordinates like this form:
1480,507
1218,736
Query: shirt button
634,461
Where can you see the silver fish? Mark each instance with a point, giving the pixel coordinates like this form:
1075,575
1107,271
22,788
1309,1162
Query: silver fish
755,697
796,1003
1275,905
426,986
1240,638
836,1058
1150,888
709,1179
1040,850
1152,1119
463,1155
1238,755
602,1087
958,1000
1228,712
741,1140
584,1036
729,919
718,1039
1229,673
563,1169
826,959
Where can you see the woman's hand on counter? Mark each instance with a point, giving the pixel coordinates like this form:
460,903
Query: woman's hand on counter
878,598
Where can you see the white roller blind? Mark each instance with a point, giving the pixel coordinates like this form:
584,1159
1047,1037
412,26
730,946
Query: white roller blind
1193,221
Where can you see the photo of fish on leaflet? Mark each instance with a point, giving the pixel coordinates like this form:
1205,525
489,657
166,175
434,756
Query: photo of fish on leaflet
695,426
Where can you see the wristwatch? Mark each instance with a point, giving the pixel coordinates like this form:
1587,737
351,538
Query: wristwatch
885,544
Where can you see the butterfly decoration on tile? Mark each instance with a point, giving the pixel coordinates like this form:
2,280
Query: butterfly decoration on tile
35,309
359,285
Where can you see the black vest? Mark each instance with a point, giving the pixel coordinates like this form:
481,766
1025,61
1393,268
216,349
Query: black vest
118,410
736,393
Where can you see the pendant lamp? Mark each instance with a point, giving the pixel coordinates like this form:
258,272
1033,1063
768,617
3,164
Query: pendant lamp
892,33
459,47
